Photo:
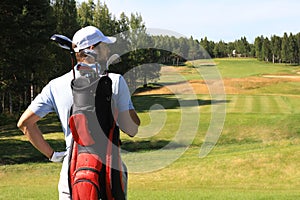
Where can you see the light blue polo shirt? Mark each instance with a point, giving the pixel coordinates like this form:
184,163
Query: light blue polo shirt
57,97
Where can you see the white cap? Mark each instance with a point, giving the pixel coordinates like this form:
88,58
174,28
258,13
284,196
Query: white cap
89,36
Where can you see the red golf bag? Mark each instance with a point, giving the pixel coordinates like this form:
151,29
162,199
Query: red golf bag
95,168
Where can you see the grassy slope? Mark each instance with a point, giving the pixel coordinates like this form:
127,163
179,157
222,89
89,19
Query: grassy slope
257,155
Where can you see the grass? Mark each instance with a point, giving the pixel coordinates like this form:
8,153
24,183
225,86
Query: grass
241,68
257,155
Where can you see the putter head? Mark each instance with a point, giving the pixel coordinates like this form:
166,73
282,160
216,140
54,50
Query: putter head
63,41
113,59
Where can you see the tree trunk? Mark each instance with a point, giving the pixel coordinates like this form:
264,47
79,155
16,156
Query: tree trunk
31,89
3,102
10,103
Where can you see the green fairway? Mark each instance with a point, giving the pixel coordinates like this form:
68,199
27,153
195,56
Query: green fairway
256,157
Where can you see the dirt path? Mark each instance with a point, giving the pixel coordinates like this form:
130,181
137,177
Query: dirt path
231,85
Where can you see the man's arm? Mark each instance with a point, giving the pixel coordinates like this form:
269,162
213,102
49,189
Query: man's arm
28,125
129,122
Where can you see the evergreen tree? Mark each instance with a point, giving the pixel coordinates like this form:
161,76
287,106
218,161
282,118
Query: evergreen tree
208,46
266,50
297,36
292,49
86,12
104,20
285,48
66,16
275,48
25,45
258,47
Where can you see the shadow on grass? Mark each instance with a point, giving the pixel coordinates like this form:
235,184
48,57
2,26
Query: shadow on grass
15,151
148,145
143,103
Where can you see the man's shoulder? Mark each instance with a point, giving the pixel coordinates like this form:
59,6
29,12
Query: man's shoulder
65,78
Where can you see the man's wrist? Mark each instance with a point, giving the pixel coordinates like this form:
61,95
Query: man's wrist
51,154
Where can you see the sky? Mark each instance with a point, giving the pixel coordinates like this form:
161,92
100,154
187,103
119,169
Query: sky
226,20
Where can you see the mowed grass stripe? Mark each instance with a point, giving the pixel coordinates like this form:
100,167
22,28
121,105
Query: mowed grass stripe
266,105
239,104
282,105
231,104
249,104
258,104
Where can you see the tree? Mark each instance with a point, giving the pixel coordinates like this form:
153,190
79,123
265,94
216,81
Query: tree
297,36
65,12
292,49
275,48
220,49
285,48
266,50
104,20
139,52
258,47
86,12
194,49
242,46
208,46
25,51
10,13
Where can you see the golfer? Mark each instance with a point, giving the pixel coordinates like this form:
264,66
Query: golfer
57,97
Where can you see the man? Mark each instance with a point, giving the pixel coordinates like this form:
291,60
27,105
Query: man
57,97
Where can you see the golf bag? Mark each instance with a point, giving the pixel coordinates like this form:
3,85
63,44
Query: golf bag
95,168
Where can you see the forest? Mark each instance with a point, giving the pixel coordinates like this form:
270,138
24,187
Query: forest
29,60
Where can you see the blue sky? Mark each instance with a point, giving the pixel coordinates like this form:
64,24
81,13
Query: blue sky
225,20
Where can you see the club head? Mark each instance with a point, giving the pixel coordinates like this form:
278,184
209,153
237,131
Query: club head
63,41
113,59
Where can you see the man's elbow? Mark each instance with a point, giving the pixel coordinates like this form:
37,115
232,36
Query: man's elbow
129,122
22,125
28,119
130,130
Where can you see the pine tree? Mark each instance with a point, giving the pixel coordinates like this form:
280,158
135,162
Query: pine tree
258,47
275,48
266,50
284,48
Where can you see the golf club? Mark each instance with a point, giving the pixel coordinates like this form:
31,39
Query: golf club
65,43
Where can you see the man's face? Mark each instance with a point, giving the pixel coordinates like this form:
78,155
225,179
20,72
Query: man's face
102,51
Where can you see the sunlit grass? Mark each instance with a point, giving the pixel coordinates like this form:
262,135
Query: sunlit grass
256,157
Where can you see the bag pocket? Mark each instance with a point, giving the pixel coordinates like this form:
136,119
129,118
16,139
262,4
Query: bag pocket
86,177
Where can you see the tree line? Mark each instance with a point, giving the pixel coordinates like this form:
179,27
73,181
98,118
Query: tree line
276,49
28,60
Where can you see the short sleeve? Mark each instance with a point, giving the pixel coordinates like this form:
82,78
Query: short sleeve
124,98
43,103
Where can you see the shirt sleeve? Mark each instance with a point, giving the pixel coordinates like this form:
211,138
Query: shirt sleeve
124,98
43,103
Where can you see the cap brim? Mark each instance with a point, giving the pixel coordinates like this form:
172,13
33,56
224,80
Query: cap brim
109,40
105,39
